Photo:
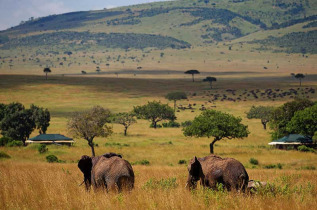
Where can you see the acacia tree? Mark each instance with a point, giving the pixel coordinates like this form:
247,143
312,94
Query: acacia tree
155,112
174,96
283,114
192,72
299,77
90,124
210,80
126,119
216,124
260,112
41,118
46,71
304,122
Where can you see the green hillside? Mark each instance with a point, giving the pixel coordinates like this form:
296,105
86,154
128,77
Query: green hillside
175,27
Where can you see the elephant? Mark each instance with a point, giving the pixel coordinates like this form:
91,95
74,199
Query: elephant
212,170
108,172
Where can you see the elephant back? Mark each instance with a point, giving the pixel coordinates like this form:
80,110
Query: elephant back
113,170
226,170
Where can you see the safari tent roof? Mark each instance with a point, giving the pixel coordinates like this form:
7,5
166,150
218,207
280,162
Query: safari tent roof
50,138
293,139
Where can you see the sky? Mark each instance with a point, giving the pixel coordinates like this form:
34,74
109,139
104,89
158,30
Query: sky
12,12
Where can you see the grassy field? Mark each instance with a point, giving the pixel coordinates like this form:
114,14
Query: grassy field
28,182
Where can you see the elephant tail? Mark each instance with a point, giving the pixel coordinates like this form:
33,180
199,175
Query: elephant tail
125,183
244,179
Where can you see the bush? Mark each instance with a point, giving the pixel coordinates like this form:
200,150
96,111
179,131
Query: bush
171,124
270,166
182,162
315,138
14,143
52,159
157,125
254,161
141,162
4,140
42,149
4,155
303,148
308,168
186,123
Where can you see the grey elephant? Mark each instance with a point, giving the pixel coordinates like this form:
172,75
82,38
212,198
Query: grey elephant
108,172
213,170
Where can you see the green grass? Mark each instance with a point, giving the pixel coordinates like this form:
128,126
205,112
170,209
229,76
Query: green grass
63,95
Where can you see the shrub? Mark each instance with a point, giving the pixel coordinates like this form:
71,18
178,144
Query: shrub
42,149
182,162
142,162
270,166
186,123
308,168
303,148
157,125
254,161
4,155
4,140
171,124
14,143
52,159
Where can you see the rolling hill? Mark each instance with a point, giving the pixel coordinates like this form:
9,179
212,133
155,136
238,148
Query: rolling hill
218,35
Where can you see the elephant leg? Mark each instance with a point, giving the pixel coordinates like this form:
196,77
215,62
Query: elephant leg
125,183
111,186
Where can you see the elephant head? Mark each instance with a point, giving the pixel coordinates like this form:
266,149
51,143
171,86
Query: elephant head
195,172
85,165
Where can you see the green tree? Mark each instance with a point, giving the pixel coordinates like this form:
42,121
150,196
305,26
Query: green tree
2,111
283,114
90,124
304,122
126,119
155,112
17,123
210,80
192,72
41,118
175,96
216,124
46,71
299,77
260,112
98,69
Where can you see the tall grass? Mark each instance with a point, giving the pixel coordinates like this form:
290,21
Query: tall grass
55,186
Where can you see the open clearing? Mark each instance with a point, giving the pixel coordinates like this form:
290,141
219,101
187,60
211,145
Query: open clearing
28,182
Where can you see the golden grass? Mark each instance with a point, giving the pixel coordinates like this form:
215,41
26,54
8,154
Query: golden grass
28,182
55,186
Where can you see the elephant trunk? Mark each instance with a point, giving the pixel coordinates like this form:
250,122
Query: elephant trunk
87,181
191,183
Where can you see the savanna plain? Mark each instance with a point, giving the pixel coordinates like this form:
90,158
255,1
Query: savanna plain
29,182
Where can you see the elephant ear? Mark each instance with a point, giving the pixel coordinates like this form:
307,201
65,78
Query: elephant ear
195,167
85,164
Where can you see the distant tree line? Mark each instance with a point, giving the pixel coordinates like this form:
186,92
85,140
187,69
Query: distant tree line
295,42
63,21
111,40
